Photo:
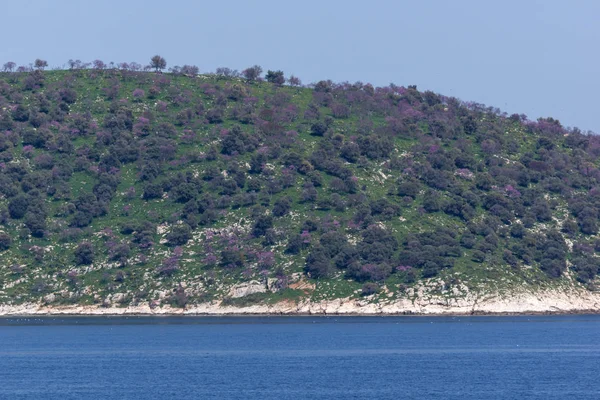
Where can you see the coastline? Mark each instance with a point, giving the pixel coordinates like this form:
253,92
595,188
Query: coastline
301,315
547,302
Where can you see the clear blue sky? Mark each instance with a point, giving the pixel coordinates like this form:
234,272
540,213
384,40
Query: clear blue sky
537,57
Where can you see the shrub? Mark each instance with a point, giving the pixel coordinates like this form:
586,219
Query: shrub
179,235
261,225
5,241
17,207
282,207
369,288
84,253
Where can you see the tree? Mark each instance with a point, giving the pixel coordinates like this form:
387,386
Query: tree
282,207
227,72
294,81
318,264
5,241
98,64
9,66
252,73
261,225
431,201
275,77
84,253
36,223
17,207
158,63
350,152
179,235
318,128
40,64
191,70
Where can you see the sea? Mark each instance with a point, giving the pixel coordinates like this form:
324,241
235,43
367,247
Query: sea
475,357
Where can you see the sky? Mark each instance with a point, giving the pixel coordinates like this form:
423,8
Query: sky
533,57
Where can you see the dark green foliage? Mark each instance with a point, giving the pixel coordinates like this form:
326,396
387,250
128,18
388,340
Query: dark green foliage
20,114
183,192
377,245
369,272
517,231
143,234
318,129
275,77
375,147
478,256
432,201
179,235
35,222
17,207
5,241
408,189
350,152
318,263
84,253
369,288
282,207
261,225
431,251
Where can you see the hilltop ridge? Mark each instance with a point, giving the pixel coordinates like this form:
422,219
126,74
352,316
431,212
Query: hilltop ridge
122,188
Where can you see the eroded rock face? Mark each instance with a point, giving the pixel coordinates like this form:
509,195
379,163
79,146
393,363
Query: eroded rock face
566,300
49,298
247,288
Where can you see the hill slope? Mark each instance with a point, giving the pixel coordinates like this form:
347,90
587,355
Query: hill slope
122,188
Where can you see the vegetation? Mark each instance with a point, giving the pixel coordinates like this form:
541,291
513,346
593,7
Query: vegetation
177,186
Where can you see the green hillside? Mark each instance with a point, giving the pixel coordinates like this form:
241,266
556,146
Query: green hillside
126,187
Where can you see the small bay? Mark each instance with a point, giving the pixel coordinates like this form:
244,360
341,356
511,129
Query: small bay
509,357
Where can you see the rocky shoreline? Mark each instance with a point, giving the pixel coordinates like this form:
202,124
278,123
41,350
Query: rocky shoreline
574,301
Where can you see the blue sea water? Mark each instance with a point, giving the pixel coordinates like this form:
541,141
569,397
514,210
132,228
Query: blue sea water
525,357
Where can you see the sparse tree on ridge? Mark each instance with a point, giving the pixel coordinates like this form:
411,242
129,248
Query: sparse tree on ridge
98,64
227,72
74,64
135,66
40,64
9,66
191,70
294,81
275,77
158,63
252,73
